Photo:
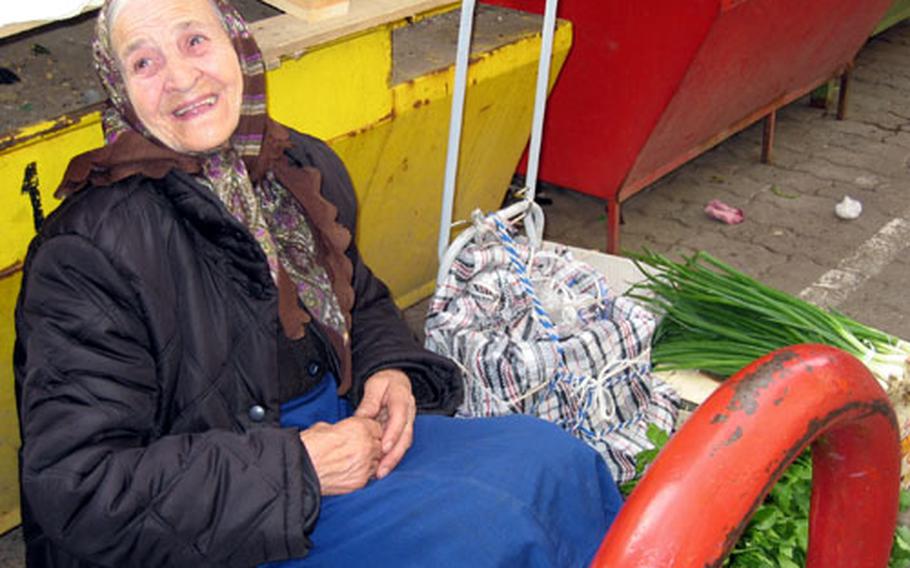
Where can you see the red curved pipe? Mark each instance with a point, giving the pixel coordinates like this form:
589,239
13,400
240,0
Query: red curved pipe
698,496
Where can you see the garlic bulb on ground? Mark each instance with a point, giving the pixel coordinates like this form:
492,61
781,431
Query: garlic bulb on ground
848,208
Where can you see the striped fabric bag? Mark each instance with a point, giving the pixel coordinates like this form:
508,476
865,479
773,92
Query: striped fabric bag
536,332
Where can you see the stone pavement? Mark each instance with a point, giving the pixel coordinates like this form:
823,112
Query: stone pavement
791,238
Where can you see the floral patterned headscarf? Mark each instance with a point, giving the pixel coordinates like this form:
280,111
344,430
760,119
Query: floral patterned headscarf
250,177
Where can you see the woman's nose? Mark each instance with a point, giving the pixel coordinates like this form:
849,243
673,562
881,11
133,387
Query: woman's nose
182,74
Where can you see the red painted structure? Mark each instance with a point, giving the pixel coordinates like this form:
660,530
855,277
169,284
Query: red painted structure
650,84
697,497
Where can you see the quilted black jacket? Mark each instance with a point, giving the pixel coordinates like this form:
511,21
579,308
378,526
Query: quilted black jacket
146,339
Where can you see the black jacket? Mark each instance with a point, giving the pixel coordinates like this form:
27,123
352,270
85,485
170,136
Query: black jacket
146,332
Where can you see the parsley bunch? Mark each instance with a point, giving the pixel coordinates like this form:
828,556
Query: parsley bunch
778,534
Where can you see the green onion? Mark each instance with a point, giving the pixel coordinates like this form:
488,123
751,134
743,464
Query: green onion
717,319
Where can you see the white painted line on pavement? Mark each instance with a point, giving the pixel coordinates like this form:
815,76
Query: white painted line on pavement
869,259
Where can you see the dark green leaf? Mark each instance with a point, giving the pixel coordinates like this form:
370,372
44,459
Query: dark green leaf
765,518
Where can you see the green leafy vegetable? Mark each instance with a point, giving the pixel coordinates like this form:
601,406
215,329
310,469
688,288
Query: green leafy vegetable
778,533
643,459
900,550
718,320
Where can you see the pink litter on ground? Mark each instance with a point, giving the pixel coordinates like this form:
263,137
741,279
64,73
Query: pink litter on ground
717,209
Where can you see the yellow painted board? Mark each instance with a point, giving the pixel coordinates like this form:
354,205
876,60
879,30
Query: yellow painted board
400,196
9,425
52,154
319,94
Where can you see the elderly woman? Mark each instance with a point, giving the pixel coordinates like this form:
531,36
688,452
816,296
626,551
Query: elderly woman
208,374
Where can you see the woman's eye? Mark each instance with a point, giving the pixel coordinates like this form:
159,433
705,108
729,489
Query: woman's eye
196,40
142,64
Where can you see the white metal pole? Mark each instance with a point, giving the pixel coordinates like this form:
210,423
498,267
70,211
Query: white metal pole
455,123
540,97
457,118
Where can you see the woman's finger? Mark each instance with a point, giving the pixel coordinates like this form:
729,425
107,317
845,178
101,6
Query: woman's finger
401,410
371,403
398,418
391,459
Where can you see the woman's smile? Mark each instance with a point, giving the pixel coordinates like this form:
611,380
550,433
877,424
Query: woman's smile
195,108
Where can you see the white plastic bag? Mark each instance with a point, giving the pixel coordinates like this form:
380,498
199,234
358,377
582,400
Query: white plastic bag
539,333
44,11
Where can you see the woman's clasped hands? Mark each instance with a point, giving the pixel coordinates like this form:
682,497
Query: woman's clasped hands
346,455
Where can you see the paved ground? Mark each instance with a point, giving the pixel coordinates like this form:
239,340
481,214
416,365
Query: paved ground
791,238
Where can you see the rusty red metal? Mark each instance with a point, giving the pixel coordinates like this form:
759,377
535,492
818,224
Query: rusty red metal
698,496
651,84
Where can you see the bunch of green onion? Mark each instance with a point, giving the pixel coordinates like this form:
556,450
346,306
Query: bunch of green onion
717,319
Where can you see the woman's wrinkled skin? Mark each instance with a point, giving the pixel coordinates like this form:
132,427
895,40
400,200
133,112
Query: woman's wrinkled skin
184,81
181,72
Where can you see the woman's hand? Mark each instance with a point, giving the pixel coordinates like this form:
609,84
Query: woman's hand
387,398
345,455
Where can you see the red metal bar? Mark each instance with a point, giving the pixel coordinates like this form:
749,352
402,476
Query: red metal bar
844,95
698,496
767,141
614,220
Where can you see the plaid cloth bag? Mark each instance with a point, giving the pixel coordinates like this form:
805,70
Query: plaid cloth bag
536,332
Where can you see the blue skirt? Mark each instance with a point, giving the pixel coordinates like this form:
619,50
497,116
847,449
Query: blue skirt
509,491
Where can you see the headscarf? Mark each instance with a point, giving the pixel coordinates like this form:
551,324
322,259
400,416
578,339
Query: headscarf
251,177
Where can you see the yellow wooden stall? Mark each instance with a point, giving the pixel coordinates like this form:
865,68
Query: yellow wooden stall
376,84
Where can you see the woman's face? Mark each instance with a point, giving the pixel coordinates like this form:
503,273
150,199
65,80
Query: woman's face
181,71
